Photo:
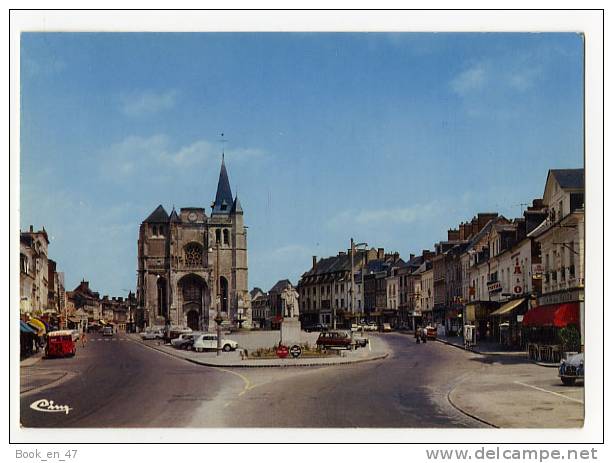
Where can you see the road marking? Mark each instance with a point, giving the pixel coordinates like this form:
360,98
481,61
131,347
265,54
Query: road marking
248,384
550,392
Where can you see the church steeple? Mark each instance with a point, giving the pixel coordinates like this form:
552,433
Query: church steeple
223,198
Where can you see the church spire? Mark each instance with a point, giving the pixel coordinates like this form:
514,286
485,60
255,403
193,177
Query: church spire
223,198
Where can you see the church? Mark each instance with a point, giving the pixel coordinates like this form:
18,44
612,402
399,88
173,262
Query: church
192,265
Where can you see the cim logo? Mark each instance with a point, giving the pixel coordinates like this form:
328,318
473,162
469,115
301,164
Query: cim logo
44,405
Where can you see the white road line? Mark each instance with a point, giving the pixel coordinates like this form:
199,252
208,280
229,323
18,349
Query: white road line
550,392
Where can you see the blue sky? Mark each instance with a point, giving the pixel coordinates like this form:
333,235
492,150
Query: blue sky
389,138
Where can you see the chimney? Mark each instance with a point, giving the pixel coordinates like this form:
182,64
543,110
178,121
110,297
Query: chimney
380,253
411,256
462,228
483,218
453,235
31,228
341,253
314,262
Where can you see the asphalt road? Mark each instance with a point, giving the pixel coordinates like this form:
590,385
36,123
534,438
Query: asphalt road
120,383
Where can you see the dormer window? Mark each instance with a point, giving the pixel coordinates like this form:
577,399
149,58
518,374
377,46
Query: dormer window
155,231
224,205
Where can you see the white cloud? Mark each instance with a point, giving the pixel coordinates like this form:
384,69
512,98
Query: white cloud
148,102
365,217
137,155
471,79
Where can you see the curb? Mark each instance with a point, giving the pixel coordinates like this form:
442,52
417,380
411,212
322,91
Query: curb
541,364
42,387
470,415
32,360
233,365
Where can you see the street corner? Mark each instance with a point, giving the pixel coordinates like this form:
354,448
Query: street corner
528,398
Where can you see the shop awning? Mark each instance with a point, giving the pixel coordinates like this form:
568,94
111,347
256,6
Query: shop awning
557,315
38,325
74,319
508,307
25,328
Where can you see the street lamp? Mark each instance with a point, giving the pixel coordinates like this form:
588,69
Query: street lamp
353,247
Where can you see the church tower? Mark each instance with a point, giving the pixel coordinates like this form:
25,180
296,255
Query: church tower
191,265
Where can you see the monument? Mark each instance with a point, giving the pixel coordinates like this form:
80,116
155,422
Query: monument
290,326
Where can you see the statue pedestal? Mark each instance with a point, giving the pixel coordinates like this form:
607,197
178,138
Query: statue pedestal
290,331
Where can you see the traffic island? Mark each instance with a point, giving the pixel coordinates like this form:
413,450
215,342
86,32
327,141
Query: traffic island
377,350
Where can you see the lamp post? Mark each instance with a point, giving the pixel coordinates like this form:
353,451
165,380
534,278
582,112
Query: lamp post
353,247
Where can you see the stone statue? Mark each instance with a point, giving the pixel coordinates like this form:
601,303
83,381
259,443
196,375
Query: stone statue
289,296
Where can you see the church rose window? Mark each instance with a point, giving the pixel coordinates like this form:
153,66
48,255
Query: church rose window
193,255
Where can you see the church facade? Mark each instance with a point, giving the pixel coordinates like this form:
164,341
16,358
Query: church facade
192,265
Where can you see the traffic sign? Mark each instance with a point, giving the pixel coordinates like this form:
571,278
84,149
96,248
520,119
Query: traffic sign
282,351
295,351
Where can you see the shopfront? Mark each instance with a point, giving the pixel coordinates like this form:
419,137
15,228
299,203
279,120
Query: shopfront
548,331
507,323
477,314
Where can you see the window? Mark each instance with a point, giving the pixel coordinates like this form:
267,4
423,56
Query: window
226,236
218,236
155,231
560,210
193,255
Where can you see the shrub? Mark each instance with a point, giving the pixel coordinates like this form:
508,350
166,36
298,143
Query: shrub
570,338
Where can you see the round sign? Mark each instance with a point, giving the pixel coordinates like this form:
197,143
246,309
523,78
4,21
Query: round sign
517,289
295,351
282,351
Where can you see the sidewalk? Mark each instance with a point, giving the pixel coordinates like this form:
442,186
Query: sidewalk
32,359
377,350
520,395
483,348
37,378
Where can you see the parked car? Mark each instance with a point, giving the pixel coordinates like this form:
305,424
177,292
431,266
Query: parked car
208,341
386,328
360,341
151,333
335,340
184,341
107,331
76,334
430,332
571,369
315,327
371,326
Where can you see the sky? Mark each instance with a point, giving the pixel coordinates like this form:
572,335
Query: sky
389,138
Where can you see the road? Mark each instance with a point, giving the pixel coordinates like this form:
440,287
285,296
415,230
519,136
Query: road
119,382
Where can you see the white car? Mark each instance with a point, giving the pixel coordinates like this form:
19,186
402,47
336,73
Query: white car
152,334
208,341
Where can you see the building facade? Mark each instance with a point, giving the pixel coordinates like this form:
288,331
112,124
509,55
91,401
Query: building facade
34,272
192,265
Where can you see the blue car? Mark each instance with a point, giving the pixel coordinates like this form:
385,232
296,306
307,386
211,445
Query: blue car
571,369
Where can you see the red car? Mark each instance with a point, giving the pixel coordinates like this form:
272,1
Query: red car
334,339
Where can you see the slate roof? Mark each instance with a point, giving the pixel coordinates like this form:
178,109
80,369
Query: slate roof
254,291
158,216
569,178
174,217
280,286
236,206
224,193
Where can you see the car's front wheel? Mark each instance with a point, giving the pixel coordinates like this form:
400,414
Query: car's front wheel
227,348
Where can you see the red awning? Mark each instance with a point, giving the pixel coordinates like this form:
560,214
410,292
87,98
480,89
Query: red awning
558,315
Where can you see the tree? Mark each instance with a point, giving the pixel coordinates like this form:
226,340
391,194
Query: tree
570,338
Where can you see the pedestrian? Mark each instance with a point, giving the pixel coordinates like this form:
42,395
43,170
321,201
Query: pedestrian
418,334
424,335
83,340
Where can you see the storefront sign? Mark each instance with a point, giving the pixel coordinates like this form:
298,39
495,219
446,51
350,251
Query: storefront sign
562,297
537,270
518,289
520,318
493,287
